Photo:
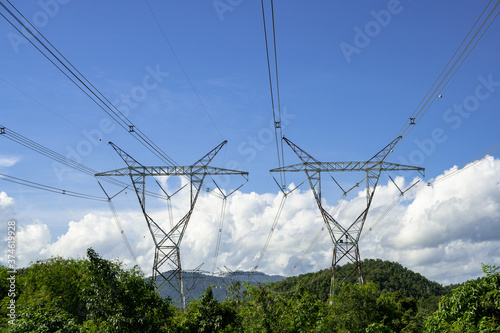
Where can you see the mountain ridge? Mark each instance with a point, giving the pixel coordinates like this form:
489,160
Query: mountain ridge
389,276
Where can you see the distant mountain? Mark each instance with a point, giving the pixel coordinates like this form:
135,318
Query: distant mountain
196,283
389,276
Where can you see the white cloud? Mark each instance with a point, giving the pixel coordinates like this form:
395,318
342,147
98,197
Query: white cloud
6,203
8,161
443,231
32,240
448,229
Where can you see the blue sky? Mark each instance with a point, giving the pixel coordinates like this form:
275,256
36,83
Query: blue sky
337,106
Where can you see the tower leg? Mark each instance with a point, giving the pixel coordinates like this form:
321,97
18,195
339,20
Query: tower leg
181,282
339,252
358,266
332,280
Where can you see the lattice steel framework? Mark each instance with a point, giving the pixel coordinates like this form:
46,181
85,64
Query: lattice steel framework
345,239
167,244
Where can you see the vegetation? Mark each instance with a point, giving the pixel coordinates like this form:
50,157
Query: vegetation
389,277
474,307
87,295
97,295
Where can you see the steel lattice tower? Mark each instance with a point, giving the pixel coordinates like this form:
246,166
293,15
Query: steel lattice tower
345,238
167,244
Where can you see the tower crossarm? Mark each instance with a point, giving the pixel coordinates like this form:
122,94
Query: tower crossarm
189,170
347,166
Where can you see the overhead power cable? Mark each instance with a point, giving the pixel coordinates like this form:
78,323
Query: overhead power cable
221,223
341,201
49,51
18,138
119,225
15,18
276,219
278,129
219,234
474,35
273,227
47,188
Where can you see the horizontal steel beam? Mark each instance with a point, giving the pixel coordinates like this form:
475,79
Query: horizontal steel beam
191,170
347,166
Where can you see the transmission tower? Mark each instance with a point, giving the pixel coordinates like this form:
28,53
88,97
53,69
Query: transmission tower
345,238
167,244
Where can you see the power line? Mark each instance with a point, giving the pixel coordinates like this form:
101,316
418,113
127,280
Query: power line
276,219
449,71
219,234
52,54
278,131
438,85
47,188
273,227
49,51
18,138
119,224
431,96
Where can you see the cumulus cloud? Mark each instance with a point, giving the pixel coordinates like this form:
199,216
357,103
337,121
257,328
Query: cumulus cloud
6,203
8,161
444,231
32,242
450,227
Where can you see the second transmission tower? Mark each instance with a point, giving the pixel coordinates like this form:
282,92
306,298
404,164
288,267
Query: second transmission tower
345,238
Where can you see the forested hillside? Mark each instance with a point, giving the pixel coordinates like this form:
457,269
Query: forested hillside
388,276
97,295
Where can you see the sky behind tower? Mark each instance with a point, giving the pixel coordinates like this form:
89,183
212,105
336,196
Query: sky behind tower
193,74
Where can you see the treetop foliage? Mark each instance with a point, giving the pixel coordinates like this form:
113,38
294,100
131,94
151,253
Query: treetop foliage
97,295
86,295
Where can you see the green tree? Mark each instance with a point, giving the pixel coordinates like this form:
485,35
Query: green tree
88,295
54,284
352,308
473,307
44,319
268,311
123,298
208,315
